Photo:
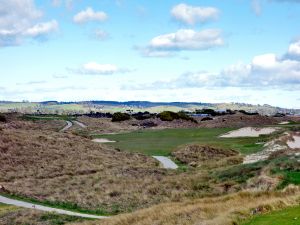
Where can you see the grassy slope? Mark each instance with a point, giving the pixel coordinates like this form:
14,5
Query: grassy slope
15,216
225,210
162,142
290,216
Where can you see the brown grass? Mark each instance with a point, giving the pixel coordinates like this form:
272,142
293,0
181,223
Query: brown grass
226,210
198,155
10,215
45,165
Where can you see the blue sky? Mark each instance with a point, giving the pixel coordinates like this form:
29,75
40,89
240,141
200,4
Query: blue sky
204,51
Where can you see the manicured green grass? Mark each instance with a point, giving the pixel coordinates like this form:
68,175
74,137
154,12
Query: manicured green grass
289,216
163,142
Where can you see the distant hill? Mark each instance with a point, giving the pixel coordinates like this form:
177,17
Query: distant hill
134,106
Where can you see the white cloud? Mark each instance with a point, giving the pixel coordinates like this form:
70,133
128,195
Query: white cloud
89,15
94,68
294,48
194,14
42,28
267,71
184,39
17,19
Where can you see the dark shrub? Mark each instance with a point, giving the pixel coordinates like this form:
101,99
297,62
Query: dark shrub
2,118
142,115
170,116
167,116
206,118
117,117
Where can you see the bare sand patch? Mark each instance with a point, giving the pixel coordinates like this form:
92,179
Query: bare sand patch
249,132
295,143
284,122
103,140
166,162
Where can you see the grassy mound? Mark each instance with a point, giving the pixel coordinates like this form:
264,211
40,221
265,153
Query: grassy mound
197,154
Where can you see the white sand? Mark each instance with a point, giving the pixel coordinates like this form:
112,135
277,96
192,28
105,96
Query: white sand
103,140
249,132
269,148
295,143
284,122
166,162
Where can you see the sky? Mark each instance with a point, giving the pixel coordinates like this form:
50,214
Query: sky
245,51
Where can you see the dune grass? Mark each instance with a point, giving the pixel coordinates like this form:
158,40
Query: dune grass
163,142
290,216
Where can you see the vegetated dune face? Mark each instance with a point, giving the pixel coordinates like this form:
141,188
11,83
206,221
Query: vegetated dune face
196,155
226,210
104,125
62,167
249,132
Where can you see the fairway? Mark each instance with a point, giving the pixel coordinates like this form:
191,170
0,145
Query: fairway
163,142
289,216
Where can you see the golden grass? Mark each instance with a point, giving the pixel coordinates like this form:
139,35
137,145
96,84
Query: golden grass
226,210
45,165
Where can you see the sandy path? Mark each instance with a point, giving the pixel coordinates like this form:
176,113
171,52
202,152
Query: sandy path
23,204
68,126
80,124
166,162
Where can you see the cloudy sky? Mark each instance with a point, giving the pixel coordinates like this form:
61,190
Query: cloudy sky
205,51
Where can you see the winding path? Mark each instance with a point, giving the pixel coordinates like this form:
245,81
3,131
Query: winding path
23,204
68,126
80,124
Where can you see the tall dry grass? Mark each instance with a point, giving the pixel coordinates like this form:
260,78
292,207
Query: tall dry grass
226,210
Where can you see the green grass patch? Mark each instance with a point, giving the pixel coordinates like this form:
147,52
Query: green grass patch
289,177
56,219
241,173
163,142
288,216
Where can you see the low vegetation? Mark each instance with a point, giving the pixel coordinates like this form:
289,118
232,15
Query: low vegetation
197,155
225,210
118,117
170,116
10,215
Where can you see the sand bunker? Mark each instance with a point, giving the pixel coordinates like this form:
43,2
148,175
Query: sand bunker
294,144
249,132
284,122
269,148
166,162
103,140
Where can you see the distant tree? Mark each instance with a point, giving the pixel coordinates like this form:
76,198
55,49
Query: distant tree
118,116
170,116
